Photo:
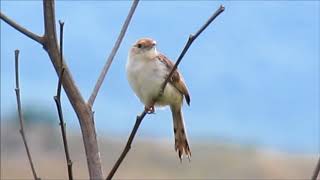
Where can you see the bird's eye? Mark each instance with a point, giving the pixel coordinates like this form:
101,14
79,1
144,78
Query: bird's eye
139,45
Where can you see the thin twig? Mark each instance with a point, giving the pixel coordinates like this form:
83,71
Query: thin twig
316,170
50,45
57,99
112,54
189,42
128,145
144,113
73,93
17,89
23,30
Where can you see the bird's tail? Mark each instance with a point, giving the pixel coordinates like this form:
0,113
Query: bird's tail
181,141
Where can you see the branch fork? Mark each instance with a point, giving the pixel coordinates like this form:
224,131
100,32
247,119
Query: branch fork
83,109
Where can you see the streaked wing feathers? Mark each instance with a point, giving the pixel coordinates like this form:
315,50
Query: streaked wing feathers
177,79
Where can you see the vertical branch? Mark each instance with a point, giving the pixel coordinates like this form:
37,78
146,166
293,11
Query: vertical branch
77,101
112,54
57,99
316,171
17,89
144,113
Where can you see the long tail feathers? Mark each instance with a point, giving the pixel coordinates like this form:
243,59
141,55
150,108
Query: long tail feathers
181,141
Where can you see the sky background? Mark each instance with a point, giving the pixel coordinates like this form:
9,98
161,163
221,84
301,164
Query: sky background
253,74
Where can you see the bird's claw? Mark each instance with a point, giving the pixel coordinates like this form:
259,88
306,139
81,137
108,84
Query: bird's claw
149,110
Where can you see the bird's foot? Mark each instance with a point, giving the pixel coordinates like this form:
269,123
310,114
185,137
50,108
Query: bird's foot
150,109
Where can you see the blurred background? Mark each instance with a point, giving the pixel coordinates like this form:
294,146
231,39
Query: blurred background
253,76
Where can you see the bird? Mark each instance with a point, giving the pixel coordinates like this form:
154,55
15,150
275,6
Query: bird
146,70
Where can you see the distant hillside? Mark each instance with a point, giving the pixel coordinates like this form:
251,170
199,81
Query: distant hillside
148,159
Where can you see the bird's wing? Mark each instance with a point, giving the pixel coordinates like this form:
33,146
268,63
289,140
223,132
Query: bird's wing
176,79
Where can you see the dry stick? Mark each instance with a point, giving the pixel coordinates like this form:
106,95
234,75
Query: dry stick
21,29
17,89
84,114
128,145
316,171
190,41
57,99
74,95
112,54
144,113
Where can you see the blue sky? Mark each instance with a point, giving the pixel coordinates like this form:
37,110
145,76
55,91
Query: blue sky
253,74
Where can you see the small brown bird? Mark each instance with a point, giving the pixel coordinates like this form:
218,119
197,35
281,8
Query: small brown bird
147,69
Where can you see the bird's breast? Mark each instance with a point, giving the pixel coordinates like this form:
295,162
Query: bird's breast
146,78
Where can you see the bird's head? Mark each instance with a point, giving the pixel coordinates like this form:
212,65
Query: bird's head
145,47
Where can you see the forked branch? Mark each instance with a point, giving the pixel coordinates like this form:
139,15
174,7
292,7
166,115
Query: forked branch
112,54
144,113
83,111
17,89
75,97
21,29
57,99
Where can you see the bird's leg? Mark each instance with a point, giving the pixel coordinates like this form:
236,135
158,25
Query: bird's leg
149,109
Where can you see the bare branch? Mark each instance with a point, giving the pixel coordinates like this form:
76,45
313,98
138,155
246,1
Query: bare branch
17,89
61,60
128,145
79,105
21,29
112,54
57,99
144,113
316,171
190,41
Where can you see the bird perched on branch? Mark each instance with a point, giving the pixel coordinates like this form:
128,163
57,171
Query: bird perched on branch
147,69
